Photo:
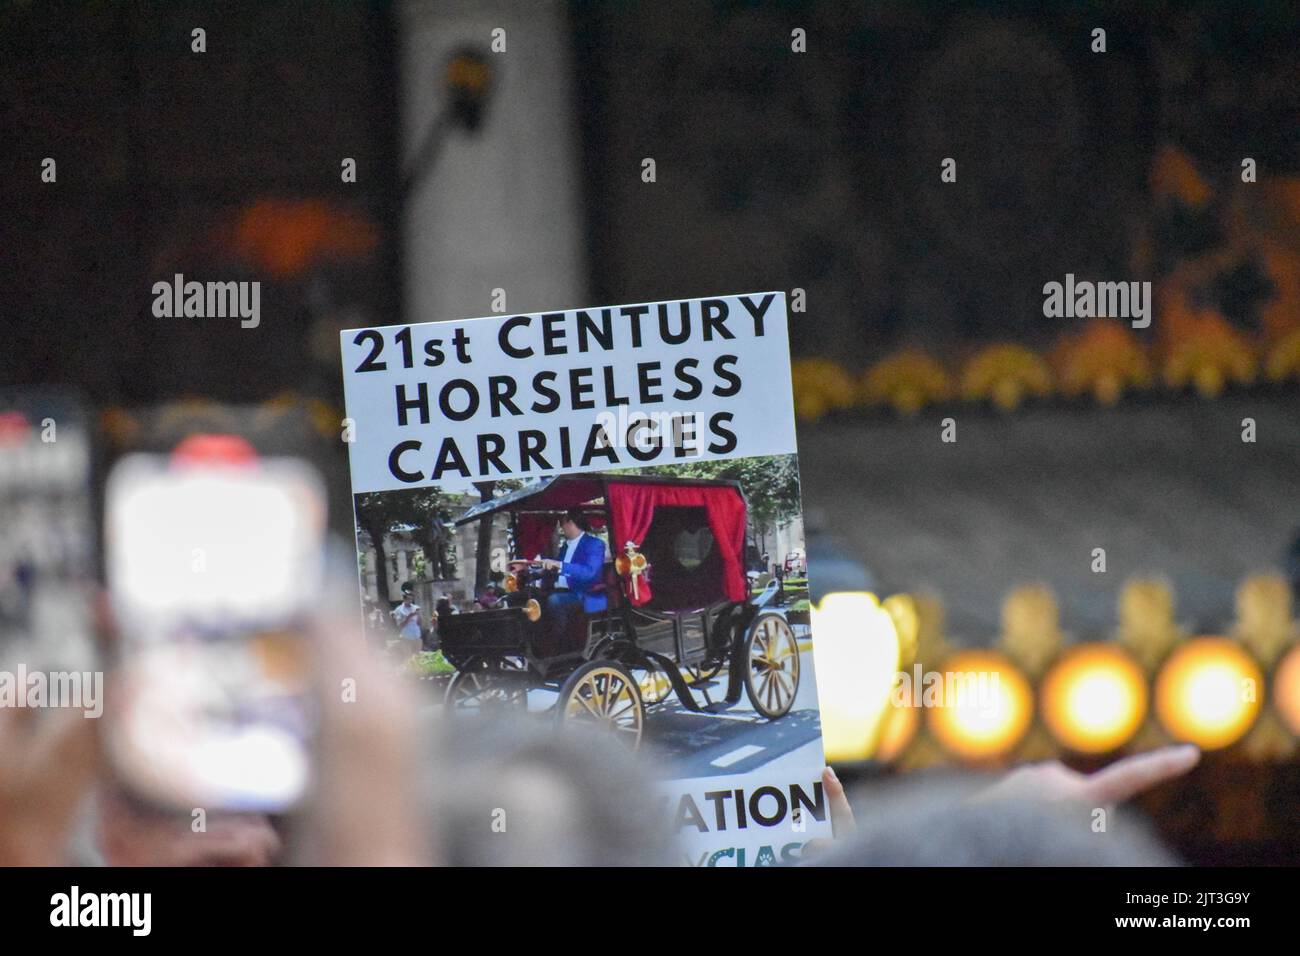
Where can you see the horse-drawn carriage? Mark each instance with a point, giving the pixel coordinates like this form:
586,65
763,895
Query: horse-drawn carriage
677,608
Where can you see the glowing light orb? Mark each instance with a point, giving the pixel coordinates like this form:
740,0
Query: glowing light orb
1208,692
1094,698
1286,690
978,706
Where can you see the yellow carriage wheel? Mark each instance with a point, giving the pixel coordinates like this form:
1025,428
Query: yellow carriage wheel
604,696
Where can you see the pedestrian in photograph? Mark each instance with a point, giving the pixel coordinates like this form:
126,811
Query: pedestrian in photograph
406,616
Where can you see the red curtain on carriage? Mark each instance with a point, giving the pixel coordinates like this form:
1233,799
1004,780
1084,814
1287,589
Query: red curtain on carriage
633,504
534,535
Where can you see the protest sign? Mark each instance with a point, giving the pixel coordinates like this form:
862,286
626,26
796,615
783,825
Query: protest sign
595,514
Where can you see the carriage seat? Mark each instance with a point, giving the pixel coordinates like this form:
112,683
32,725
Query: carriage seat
610,586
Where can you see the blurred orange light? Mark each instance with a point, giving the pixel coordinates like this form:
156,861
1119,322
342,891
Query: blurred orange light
1208,692
1286,690
986,705
1094,698
897,729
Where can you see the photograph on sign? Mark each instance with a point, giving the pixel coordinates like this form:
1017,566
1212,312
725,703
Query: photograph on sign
593,518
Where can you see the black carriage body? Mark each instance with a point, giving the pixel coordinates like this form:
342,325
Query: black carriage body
690,624
485,635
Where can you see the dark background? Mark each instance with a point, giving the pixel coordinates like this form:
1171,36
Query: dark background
816,171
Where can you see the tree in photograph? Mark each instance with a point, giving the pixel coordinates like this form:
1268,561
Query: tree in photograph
487,490
423,510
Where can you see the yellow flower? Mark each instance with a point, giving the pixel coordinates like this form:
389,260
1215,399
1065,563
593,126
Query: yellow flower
1005,375
1264,621
1031,631
1146,620
1105,359
1284,358
820,385
908,381
1210,356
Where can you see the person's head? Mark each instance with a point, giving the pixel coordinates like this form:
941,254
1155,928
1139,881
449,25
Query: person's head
408,596
942,821
504,791
573,523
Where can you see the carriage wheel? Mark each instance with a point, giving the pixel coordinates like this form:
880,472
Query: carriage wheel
604,695
480,688
771,665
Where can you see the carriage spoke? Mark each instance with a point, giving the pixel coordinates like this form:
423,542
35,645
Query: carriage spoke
613,690
607,696
784,690
585,703
597,695
773,675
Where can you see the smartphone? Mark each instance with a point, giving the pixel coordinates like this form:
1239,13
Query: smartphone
214,567
47,541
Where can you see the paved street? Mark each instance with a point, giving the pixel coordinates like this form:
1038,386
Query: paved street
726,739
1161,486
737,739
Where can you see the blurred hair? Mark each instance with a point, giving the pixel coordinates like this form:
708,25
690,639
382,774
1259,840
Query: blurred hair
938,821
518,791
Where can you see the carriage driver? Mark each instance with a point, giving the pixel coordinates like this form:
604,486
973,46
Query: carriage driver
580,562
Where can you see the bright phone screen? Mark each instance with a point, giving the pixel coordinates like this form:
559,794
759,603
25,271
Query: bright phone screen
213,572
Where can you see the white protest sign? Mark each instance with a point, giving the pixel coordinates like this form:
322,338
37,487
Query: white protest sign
448,403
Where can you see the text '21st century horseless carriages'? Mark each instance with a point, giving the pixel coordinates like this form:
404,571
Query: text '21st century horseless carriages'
678,608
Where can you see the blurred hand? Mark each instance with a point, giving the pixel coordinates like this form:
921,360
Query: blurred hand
48,763
1052,780
842,822
133,834
365,810
1122,780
